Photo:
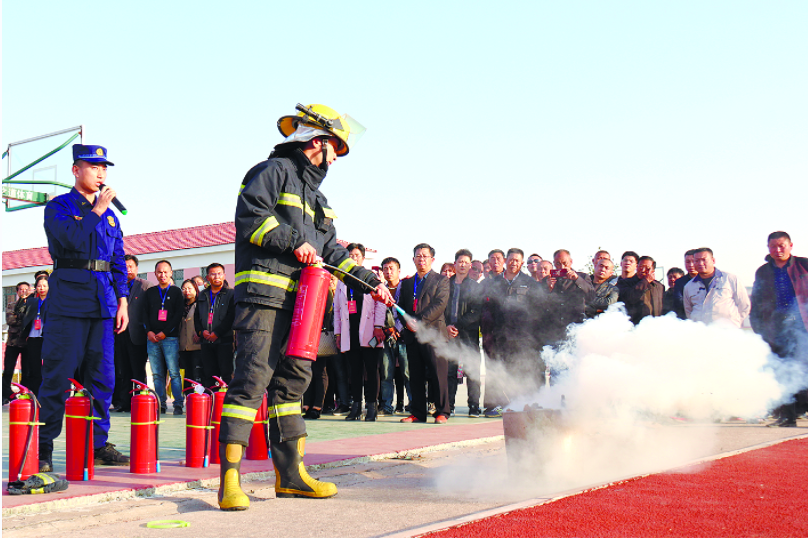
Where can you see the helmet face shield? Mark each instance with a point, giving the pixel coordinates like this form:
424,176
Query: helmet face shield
323,118
355,129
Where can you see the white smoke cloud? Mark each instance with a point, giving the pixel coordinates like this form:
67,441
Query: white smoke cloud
622,389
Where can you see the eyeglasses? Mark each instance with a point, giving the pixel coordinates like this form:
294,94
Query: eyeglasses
533,261
423,257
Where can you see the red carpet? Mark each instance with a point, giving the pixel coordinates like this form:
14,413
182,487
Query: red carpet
763,492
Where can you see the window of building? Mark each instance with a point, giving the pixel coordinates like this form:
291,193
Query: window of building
178,276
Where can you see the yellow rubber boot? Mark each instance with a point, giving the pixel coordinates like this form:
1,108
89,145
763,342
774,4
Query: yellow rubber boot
291,478
231,497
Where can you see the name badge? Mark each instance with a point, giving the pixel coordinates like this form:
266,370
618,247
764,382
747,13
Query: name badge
38,324
415,305
162,315
210,318
352,307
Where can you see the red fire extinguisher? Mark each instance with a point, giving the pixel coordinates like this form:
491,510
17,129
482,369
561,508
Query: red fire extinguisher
307,317
145,431
23,434
198,425
79,418
216,422
258,449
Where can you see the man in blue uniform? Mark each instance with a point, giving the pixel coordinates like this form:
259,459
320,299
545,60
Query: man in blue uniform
87,303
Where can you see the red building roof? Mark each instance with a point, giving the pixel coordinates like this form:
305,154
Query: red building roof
209,235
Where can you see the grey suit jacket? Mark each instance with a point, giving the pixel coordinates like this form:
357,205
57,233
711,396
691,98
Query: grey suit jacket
137,313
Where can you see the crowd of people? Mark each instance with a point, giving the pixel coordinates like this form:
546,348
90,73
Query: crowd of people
373,364
420,335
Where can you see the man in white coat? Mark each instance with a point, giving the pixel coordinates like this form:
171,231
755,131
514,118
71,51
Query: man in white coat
713,294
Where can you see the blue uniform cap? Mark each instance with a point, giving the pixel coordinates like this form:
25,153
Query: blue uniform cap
91,154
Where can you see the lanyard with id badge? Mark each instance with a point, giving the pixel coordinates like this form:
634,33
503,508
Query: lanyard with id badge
162,314
212,304
38,320
351,302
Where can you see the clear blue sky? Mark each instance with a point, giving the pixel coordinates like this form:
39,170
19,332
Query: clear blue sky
650,126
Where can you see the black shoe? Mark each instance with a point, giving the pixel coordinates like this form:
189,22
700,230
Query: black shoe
370,415
45,463
328,411
342,410
474,411
117,409
400,408
356,411
177,411
312,414
107,455
386,411
163,410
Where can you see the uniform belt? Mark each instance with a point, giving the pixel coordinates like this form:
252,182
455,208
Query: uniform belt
90,265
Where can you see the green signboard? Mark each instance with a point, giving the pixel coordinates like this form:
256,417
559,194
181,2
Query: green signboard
25,195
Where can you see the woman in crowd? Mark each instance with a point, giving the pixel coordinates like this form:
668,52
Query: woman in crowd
34,327
190,348
358,322
447,270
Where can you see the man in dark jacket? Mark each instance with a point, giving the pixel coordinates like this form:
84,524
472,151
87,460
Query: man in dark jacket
283,223
780,313
213,322
567,294
677,300
130,345
641,293
463,325
163,311
424,297
513,306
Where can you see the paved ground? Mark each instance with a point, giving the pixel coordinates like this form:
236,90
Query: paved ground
406,490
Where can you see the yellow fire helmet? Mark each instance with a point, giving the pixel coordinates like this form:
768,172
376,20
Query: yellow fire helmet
313,118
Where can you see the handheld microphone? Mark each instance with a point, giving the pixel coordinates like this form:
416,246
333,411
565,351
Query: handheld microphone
116,202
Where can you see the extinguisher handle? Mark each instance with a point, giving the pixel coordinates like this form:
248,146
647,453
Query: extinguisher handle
193,383
22,390
139,386
220,382
75,384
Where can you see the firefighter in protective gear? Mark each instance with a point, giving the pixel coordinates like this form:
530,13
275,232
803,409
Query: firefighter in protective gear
283,223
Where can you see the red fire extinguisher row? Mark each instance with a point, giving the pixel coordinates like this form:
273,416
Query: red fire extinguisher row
307,317
216,421
79,418
257,449
145,431
23,434
198,425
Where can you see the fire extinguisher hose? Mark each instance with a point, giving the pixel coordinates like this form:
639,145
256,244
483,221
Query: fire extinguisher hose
157,422
209,425
90,419
364,284
31,423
